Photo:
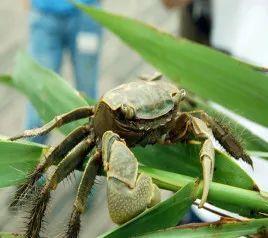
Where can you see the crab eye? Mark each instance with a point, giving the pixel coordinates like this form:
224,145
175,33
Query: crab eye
128,111
179,96
182,93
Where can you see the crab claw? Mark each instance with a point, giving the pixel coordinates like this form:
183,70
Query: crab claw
207,159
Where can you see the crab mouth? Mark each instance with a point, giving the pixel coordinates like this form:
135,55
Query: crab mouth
138,125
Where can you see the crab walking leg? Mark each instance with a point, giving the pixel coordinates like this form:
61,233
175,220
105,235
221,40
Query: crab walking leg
53,158
128,194
61,150
56,175
80,202
207,160
207,154
70,162
58,121
226,139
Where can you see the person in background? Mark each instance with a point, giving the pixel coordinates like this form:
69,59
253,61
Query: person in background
57,26
194,19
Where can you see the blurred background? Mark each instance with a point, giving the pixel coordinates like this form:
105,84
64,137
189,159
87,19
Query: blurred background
235,27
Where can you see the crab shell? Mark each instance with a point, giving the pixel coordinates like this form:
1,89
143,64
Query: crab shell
154,103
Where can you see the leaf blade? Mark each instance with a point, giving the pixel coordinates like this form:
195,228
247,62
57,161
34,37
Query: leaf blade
16,160
228,229
39,85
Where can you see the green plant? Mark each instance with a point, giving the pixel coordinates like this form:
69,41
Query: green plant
201,70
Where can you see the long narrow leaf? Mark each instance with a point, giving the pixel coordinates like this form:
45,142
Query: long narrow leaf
16,160
259,154
204,71
221,229
47,91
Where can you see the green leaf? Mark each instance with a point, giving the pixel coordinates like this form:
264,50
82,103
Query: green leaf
6,79
244,202
16,160
172,210
221,229
47,91
202,70
261,154
184,159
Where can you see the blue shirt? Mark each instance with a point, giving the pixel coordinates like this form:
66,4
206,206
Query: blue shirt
59,6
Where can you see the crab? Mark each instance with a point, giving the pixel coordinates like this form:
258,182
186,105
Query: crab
143,112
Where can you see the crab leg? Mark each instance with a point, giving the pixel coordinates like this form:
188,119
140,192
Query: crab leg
53,158
58,173
85,186
207,154
226,139
186,124
207,160
58,121
128,194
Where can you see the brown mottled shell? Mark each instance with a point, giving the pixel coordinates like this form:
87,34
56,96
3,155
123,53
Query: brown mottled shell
150,99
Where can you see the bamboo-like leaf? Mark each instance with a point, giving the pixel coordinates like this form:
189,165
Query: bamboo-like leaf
172,210
204,71
259,154
221,229
47,91
16,160
244,202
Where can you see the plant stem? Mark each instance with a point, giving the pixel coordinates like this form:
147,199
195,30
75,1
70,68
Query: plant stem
219,194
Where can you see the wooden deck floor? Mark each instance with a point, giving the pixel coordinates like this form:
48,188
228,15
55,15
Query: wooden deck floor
119,64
